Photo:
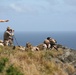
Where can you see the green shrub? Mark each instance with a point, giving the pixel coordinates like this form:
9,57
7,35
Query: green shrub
2,63
13,71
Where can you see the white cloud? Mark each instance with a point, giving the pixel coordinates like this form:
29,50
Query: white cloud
29,6
16,7
42,6
21,7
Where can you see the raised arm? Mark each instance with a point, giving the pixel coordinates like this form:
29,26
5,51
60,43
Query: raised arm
10,33
4,20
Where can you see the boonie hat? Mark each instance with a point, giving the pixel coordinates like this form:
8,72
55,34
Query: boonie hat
8,28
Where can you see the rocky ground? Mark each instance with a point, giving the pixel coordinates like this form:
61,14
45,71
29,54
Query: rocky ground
68,57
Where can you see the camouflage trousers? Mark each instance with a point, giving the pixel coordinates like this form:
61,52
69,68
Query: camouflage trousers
8,42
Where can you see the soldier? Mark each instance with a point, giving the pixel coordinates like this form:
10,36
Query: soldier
52,42
8,34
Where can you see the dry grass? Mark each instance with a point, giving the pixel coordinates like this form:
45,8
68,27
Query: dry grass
34,63
70,69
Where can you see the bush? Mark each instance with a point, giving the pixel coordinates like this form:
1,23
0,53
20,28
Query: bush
2,63
13,71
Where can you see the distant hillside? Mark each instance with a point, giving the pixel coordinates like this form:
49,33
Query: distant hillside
47,62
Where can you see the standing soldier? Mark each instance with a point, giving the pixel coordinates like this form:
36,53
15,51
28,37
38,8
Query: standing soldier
8,34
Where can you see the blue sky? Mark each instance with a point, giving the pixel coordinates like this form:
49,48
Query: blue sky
38,15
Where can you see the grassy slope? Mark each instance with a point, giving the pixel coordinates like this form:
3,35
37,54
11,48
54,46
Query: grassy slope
33,63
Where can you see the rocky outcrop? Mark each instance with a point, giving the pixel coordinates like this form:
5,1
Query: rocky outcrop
68,57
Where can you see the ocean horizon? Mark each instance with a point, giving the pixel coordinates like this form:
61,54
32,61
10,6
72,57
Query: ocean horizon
67,39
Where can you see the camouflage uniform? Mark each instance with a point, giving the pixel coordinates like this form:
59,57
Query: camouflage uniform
52,42
46,43
8,37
